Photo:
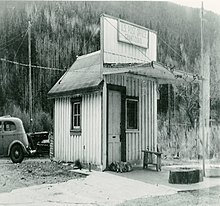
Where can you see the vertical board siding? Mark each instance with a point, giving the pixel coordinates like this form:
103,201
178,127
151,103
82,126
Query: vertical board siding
87,146
145,90
120,52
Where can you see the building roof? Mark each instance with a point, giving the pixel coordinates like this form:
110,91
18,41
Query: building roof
84,73
87,74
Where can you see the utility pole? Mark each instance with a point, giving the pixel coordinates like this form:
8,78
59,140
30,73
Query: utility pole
169,111
202,115
30,82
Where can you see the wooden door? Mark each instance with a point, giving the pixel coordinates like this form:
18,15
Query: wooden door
114,126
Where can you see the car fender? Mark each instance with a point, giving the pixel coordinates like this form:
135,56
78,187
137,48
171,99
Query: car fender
16,142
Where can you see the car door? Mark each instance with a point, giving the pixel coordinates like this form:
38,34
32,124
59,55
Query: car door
1,140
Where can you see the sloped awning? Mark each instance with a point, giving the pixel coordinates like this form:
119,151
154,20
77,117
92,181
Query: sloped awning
153,70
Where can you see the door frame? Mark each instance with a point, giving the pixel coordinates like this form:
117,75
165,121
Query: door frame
122,90
1,138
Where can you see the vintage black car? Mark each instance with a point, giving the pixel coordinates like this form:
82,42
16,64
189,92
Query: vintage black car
14,142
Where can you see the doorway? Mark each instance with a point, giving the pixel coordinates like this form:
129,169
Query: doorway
116,125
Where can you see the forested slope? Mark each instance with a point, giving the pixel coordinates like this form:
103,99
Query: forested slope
62,30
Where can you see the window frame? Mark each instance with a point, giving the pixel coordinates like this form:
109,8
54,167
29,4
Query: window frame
76,129
136,100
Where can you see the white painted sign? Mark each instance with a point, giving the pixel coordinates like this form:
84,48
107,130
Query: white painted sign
132,34
139,46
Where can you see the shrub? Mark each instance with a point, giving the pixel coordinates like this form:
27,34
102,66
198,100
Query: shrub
41,120
15,111
184,140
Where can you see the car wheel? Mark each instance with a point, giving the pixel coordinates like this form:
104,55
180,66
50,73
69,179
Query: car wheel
17,153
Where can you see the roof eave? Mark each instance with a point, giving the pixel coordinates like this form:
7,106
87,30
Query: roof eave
75,91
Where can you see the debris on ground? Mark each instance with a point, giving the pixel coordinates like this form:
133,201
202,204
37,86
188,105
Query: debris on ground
34,172
120,167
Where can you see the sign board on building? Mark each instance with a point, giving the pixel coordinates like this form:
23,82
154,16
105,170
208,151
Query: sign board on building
133,34
125,42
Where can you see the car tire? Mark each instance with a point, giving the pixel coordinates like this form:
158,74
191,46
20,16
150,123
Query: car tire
17,153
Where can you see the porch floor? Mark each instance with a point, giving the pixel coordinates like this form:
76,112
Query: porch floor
151,176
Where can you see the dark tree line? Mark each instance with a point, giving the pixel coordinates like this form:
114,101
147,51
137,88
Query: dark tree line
62,30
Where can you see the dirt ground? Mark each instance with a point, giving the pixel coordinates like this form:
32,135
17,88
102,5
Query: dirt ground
203,197
38,171
33,171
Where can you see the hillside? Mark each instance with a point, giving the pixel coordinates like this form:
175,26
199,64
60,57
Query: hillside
63,30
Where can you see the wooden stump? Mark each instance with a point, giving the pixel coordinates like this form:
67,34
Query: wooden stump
185,176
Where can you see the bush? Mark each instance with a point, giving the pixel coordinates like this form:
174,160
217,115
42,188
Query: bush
184,140
41,120
15,111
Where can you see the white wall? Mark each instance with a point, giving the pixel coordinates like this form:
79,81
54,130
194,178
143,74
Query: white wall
87,146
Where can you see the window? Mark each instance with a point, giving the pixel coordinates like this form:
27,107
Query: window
0,126
132,114
76,116
9,126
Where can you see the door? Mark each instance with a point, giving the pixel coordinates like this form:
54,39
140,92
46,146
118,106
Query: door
1,140
114,126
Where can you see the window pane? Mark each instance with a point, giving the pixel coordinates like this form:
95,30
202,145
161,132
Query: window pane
132,114
75,121
75,108
79,121
9,126
78,108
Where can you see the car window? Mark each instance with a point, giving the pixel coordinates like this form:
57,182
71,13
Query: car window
0,126
9,126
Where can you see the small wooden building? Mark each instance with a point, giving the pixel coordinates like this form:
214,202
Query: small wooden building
105,106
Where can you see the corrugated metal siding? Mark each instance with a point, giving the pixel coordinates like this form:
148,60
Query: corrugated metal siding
62,127
91,128
119,52
87,146
145,90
